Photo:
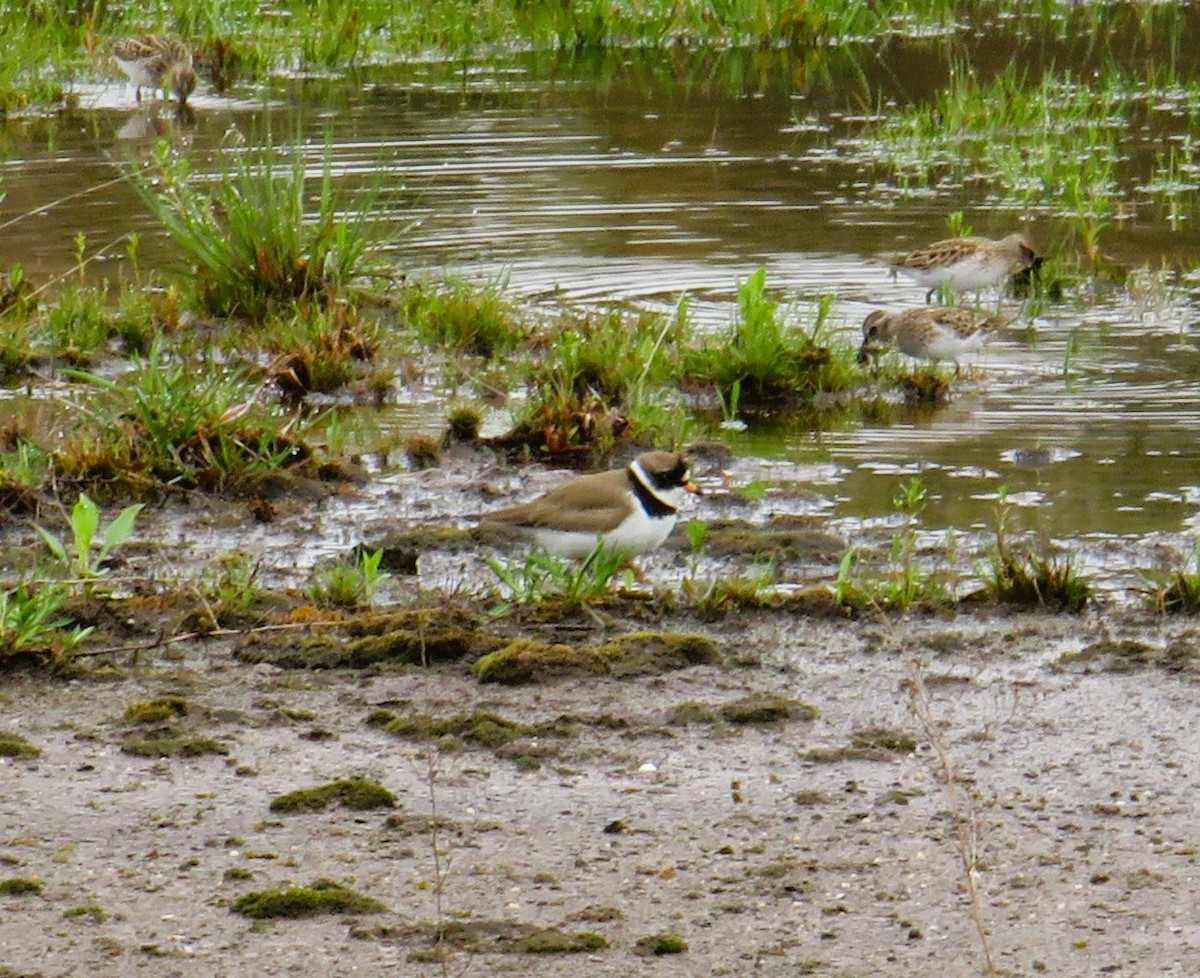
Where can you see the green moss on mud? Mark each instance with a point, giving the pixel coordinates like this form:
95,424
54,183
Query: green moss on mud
504,937
636,654
767,708
407,638
322,897
20,886
481,728
157,710
756,708
775,541
528,660
657,945
360,794
14,745
170,746
885,739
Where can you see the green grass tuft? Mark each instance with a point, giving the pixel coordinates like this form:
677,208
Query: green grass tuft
762,362
249,236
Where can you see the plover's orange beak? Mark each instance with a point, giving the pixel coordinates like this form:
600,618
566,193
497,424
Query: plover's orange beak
690,486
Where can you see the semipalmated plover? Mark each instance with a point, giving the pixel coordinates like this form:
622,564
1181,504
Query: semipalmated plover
632,510
152,59
967,264
930,332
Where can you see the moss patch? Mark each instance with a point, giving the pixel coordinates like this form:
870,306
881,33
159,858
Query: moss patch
481,728
775,541
692,711
14,745
504,937
407,638
636,654
653,653
93,912
1131,655
659,944
755,708
357,793
767,708
20,886
168,746
530,661
555,941
158,710
322,897
885,739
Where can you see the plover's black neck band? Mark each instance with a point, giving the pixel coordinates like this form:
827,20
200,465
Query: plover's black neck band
656,508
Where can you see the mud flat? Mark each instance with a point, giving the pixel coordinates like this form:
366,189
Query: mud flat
779,806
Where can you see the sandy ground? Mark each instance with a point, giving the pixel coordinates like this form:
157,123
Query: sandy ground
770,849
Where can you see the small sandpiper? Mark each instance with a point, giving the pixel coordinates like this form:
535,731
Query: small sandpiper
631,510
152,59
930,332
967,264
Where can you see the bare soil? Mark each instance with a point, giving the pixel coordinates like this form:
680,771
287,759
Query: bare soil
827,846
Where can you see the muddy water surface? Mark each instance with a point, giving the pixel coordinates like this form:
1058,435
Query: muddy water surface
638,177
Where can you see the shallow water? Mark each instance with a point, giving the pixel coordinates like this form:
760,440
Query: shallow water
638,177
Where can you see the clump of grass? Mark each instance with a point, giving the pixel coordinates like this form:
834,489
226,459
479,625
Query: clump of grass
463,424
529,660
232,581
1180,594
158,710
14,745
1022,576
767,708
165,425
24,467
349,583
763,362
462,316
481,728
726,594
251,241
321,349
78,324
538,576
322,897
656,945
606,370
171,746
95,913
20,886
905,583
33,626
423,451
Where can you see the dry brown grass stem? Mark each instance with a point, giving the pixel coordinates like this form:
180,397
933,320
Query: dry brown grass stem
961,809
164,640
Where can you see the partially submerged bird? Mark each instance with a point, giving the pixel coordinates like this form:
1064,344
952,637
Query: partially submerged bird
967,264
153,59
930,332
631,510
